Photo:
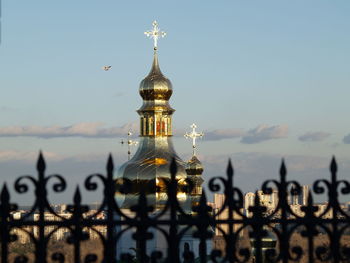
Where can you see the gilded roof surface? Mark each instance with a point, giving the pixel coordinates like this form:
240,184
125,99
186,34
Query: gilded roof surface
155,86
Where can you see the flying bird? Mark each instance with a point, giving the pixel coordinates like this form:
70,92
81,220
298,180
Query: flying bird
106,68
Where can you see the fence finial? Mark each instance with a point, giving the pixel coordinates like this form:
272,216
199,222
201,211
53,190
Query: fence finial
41,166
229,169
283,170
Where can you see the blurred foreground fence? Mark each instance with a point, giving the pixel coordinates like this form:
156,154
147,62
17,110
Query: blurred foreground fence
280,235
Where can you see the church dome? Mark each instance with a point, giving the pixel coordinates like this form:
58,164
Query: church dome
149,169
194,166
155,86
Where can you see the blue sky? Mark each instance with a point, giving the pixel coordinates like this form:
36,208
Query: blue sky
263,80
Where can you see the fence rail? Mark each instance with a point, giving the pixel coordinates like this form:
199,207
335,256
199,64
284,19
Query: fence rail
271,235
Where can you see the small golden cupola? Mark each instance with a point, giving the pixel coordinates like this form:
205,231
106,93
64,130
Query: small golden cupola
194,167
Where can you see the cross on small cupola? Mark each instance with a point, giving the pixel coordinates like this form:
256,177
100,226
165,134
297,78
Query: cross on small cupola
130,143
155,33
194,135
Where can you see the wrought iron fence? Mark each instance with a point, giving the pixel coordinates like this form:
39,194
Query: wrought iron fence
283,224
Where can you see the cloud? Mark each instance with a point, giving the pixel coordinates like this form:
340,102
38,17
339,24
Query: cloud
264,132
256,135
84,129
16,156
346,139
221,134
314,136
12,155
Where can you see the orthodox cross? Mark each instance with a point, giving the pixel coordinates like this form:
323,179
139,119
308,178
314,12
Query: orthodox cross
130,143
155,33
194,135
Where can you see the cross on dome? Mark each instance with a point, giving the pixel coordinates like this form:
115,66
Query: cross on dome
194,135
155,33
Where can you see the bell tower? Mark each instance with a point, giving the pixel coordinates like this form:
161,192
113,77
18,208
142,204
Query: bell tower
149,168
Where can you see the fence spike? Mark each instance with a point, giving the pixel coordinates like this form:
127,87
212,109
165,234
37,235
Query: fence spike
333,166
256,199
77,196
310,199
283,170
203,199
229,169
5,196
41,165
110,164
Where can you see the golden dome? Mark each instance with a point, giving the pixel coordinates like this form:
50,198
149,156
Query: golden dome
194,166
155,86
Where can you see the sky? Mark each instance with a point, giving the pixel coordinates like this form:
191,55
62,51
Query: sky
264,80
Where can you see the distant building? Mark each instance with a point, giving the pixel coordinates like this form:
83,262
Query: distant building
302,197
268,200
296,202
219,241
57,233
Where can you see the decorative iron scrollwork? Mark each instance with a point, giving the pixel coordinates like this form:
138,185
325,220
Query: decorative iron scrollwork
270,233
